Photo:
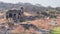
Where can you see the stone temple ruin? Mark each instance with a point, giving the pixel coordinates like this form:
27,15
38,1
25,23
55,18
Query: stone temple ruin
15,15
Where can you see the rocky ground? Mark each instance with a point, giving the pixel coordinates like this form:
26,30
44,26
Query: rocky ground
41,26
37,26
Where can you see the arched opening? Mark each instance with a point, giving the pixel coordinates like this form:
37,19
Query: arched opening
14,15
6,16
10,15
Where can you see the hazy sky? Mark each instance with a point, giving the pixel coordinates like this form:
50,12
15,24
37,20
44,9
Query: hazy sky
53,3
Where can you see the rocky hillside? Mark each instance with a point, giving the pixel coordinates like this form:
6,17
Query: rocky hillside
32,9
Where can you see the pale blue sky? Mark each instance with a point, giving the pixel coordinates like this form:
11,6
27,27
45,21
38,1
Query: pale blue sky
53,3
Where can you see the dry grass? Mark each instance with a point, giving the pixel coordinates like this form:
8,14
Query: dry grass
29,14
3,21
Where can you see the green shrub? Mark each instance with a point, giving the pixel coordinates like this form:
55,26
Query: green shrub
56,30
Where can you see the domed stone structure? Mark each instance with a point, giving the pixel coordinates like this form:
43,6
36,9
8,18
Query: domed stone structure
15,15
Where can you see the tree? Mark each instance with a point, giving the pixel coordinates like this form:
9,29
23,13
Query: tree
52,13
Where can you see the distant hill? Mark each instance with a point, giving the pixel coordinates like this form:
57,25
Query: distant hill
30,8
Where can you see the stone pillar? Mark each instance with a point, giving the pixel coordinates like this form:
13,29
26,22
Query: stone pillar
4,15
